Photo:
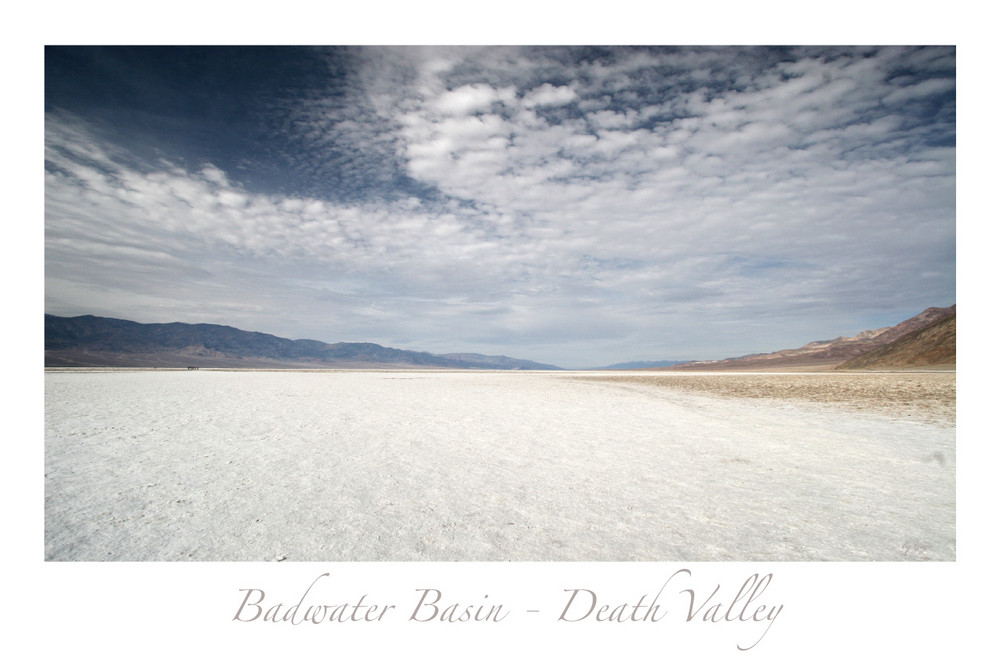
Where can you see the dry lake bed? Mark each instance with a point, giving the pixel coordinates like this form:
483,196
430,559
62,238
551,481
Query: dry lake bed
145,465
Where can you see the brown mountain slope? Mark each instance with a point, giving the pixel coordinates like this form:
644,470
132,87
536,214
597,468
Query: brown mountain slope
931,346
824,354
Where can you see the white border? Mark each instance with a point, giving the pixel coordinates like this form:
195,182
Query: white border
124,613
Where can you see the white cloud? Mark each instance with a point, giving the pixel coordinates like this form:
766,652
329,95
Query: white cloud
918,90
549,95
468,99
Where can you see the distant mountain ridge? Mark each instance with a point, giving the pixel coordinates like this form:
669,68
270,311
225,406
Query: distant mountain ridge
88,340
828,353
637,365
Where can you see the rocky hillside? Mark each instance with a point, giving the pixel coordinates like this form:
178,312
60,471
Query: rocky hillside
931,346
100,341
826,353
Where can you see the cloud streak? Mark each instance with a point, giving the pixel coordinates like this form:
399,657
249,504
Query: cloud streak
578,206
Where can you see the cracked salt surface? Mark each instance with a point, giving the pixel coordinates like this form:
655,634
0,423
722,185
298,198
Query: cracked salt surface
468,466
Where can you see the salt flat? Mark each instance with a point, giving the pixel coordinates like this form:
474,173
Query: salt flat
479,466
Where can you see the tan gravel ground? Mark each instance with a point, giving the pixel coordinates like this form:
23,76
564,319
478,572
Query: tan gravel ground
921,396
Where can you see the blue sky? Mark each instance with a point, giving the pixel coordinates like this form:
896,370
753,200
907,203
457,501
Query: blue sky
572,205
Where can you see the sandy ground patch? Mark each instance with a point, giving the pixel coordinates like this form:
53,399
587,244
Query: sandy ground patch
921,396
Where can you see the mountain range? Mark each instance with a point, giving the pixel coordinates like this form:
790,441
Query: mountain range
925,340
636,365
929,346
88,340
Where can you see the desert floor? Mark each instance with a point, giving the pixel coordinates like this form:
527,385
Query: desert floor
480,466
918,396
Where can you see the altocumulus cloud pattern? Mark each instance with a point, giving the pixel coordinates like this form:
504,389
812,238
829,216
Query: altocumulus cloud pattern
577,206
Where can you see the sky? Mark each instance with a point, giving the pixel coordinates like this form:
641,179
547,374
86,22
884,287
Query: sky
578,206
